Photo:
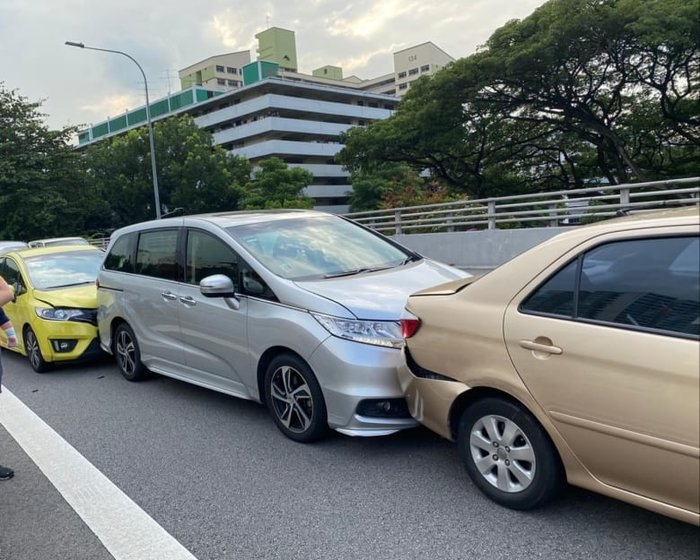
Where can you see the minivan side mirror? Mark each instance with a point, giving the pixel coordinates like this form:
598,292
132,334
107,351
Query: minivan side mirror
220,285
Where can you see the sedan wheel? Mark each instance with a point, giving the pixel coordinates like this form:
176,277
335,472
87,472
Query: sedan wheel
31,346
508,455
295,400
128,354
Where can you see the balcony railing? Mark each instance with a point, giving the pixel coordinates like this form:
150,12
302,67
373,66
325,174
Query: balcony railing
550,209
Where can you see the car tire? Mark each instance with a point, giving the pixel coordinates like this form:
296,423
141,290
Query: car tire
508,455
128,354
295,400
33,350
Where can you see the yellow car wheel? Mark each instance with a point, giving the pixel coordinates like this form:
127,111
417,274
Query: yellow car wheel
31,345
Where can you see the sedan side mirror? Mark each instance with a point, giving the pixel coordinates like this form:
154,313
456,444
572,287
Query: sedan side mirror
18,289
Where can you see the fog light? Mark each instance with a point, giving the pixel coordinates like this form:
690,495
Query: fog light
383,408
63,345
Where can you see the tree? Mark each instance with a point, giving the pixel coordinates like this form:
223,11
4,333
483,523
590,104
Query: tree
43,192
580,91
193,174
274,185
391,185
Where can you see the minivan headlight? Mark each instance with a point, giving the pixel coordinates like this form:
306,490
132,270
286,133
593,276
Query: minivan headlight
377,333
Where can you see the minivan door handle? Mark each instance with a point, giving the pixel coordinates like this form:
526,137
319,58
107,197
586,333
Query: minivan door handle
168,296
188,301
544,345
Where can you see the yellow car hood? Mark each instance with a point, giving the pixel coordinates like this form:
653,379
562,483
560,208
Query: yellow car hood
83,296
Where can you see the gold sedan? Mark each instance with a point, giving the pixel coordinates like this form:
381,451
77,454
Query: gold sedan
576,361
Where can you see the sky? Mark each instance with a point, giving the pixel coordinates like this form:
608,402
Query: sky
80,87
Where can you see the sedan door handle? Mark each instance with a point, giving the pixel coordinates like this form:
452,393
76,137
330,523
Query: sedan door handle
540,347
188,301
168,296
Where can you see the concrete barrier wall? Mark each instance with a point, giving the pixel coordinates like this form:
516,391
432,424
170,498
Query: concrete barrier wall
477,251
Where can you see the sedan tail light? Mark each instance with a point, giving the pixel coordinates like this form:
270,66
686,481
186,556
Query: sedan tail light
409,325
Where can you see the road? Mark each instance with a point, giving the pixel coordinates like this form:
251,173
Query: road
221,482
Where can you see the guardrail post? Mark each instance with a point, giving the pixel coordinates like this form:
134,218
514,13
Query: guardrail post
624,197
554,219
397,222
491,214
449,222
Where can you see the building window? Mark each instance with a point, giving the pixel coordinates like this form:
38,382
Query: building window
233,83
413,71
425,68
219,68
231,70
403,86
221,81
402,75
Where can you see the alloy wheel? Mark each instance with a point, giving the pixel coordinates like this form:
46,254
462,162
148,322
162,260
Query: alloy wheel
292,401
502,453
126,352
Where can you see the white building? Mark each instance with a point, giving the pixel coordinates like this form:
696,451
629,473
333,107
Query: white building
265,108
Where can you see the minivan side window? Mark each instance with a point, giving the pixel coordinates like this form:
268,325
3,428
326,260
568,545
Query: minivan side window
121,255
156,254
207,255
639,284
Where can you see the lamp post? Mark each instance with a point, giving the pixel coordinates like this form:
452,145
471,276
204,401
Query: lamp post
156,194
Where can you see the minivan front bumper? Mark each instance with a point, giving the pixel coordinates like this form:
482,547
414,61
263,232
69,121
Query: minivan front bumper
361,388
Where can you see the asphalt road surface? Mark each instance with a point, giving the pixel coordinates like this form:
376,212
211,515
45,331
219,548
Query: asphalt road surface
163,469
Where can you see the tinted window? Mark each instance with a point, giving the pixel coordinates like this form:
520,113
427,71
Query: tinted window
642,283
157,254
556,295
207,255
121,255
648,283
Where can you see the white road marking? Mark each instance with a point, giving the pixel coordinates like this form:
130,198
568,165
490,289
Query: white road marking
127,531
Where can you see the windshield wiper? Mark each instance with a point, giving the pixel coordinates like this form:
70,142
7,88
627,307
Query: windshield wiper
355,271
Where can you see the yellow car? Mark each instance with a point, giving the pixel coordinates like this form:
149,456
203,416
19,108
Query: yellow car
55,307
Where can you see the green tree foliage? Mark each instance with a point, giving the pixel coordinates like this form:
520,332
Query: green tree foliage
391,185
193,174
275,185
43,191
578,92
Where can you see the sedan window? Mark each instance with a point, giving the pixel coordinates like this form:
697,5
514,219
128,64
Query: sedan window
641,283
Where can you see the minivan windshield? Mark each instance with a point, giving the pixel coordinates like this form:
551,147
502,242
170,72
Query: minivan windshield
318,247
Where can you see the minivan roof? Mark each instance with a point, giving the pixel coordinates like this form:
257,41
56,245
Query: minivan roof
227,219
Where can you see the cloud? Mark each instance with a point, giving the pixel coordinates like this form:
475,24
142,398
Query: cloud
164,37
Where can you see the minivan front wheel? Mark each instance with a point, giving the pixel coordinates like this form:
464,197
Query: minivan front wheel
128,354
508,455
33,350
295,400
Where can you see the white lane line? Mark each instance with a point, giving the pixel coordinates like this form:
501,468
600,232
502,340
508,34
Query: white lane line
127,531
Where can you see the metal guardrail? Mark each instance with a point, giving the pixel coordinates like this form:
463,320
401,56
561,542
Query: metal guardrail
549,209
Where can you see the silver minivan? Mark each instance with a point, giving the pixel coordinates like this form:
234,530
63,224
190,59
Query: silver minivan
297,309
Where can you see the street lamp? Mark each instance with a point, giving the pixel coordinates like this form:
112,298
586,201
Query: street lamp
148,117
